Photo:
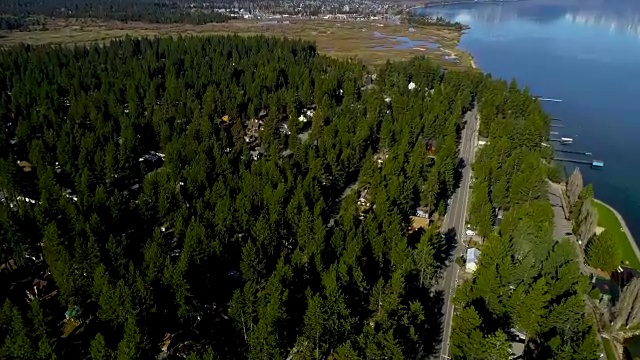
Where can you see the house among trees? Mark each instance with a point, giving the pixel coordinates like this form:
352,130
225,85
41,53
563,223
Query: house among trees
431,147
422,212
472,259
326,180
517,345
497,220
284,129
365,198
69,194
166,341
151,162
380,157
421,219
73,312
152,156
253,130
25,165
307,115
517,350
256,154
38,289
367,79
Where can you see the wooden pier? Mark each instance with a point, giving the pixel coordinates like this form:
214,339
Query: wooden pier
574,152
593,163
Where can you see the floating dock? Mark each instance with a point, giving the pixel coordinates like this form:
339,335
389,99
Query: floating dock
593,163
574,152
548,99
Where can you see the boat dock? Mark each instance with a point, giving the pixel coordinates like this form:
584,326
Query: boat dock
546,99
593,163
574,152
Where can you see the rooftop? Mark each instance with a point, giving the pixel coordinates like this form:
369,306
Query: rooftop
472,255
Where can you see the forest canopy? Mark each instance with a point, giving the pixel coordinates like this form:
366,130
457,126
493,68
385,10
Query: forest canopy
528,288
20,14
246,197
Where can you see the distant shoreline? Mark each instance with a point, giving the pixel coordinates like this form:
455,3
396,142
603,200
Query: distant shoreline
436,3
626,230
467,27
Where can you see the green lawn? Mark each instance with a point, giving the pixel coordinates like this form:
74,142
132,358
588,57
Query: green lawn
608,349
608,220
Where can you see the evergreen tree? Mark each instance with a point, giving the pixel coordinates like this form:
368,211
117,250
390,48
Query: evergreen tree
603,252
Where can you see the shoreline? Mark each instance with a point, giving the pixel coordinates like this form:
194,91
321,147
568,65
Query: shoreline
438,3
462,33
626,230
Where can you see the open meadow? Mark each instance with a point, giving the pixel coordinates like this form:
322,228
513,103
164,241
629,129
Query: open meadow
373,42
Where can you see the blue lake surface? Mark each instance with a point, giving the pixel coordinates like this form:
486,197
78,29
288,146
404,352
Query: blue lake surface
586,53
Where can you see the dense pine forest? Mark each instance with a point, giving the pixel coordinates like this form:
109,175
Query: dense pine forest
245,197
527,283
22,14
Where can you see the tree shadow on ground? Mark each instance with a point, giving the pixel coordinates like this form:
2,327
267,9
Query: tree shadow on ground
429,332
457,175
446,253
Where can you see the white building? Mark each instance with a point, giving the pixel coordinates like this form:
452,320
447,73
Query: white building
472,259
412,85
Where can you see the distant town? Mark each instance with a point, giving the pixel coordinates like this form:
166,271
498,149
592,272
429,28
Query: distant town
33,16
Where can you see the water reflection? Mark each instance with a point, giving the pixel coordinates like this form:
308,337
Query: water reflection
629,24
620,16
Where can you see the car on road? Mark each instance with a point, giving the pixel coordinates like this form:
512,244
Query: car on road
568,233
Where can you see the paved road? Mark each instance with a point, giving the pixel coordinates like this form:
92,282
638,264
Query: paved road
455,218
562,226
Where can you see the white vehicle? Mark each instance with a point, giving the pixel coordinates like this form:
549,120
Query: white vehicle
470,232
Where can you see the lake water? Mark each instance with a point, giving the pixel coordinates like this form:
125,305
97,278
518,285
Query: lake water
403,42
585,52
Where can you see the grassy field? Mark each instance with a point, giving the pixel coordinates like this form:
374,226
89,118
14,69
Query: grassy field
609,350
343,39
608,220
